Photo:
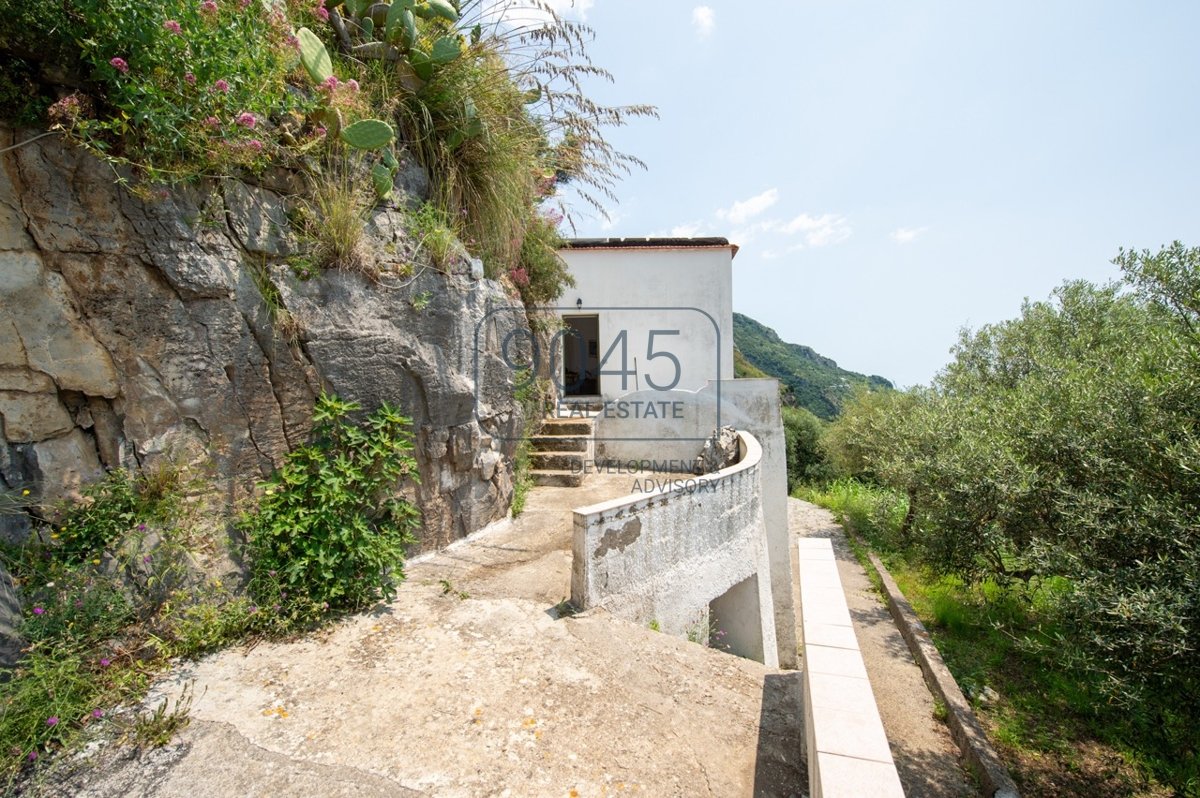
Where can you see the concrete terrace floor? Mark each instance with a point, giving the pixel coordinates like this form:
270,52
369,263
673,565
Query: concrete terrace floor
468,684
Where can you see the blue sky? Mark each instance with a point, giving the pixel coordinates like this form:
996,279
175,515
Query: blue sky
895,171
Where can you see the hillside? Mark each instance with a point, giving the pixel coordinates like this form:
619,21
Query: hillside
814,382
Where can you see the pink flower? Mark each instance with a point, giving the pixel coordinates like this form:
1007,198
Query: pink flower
52,720
212,122
255,145
208,7
221,86
105,662
353,84
97,713
244,4
173,26
189,78
32,755
322,13
246,120
292,41
38,611
320,131
120,65
330,83
520,276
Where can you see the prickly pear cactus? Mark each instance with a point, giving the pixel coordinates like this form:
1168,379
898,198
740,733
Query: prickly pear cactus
368,134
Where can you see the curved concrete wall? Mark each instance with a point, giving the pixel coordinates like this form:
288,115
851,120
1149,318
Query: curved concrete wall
751,405
665,558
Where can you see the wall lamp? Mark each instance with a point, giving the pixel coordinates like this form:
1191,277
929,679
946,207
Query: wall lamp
579,304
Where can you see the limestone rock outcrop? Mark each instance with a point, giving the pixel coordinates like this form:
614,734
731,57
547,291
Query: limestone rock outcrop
135,328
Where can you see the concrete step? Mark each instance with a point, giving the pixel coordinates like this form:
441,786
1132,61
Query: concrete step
577,413
557,479
562,426
557,461
559,443
591,404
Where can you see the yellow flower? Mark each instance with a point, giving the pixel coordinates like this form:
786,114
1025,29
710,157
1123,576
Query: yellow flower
95,562
25,492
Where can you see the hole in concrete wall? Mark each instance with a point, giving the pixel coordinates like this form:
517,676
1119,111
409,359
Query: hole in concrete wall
734,622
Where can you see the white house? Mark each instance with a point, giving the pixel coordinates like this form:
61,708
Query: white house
646,314
647,343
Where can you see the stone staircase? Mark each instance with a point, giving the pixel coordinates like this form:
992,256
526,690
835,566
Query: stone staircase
563,446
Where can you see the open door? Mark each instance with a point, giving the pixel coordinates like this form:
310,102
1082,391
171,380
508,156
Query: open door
581,356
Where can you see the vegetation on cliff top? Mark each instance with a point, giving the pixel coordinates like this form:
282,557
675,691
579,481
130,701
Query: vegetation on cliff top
179,89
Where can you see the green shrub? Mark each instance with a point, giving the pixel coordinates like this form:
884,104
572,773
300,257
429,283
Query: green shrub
875,513
806,461
1062,449
108,511
488,183
182,87
431,229
329,532
541,275
113,507
49,697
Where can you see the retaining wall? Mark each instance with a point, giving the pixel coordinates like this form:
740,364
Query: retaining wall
664,558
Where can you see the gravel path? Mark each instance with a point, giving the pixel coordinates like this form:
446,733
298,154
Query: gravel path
926,757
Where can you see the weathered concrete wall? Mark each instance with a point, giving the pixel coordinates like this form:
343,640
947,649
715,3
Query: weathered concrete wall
135,328
751,405
664,558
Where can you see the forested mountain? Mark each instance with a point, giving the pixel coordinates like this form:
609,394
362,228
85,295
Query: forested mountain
812,381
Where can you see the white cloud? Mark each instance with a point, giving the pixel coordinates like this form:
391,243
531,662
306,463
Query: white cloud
818,231
571,8
740,212
744,235
704,20
907,235
612,220
774,254
686,230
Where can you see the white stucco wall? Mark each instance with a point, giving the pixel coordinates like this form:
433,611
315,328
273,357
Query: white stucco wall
663,558
631,288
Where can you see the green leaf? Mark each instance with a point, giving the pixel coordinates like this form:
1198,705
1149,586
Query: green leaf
381,176
368,27
432,9
445,50
421,63
391,26
314,56
369,134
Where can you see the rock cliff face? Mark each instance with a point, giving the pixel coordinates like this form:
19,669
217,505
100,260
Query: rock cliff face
133,329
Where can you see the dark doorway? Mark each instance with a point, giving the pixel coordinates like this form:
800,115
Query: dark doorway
735,622
581,356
